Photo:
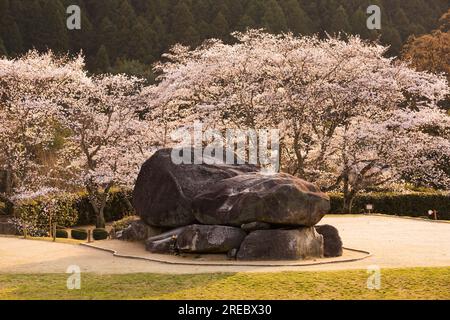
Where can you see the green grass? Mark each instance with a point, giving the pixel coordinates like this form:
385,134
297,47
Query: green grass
415,283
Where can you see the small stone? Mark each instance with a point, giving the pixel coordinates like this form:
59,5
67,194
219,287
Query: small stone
332,242
232,254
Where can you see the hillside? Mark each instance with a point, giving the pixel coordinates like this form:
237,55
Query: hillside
128,35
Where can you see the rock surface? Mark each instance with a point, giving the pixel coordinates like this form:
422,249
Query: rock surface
332,242
137,231
230,209
209,239
281,245
274,199
253,226
164,242
164,190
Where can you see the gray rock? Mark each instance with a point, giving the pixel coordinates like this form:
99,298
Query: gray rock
332,242
274,199
296,244
137,231
164,190
253,226
164,242
166,245
209,239
232,254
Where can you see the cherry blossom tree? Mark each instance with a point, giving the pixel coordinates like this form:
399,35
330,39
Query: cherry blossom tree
28,87
105,140
108,142
337,103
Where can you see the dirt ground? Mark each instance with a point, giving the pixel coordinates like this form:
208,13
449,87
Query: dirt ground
393,242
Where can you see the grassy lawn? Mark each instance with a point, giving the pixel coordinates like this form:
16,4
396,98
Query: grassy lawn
416,283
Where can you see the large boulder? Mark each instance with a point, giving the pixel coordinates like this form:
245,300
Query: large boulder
209,239
138,230
164,242
332,242
165,190
296,244
197,239
279,199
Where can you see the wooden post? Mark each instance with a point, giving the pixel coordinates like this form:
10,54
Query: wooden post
89,235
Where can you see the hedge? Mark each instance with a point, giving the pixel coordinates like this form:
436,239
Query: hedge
62,234
79,234
72,209
402,204
100,234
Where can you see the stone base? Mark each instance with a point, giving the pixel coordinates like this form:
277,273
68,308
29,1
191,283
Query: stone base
332,243
297,244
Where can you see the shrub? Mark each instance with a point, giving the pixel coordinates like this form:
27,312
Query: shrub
32,230
2,208
123,223
79,234
69,210
100,234
62,234
38,212
403,204
117,207
6,208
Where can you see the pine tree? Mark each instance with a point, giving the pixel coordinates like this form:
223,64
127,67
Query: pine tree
32,25
255,10
135,68
83,39
102,63
182,29
245,22
204,30
9,30
274,19
161,40
220,26
107,35
390,36
140,43
191,37
55,33
402,23
358,23
235,11
124,18
297,19
202,10
3,51
339,22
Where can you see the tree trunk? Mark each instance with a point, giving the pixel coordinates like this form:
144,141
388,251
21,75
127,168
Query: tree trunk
349,197
101,223
129,206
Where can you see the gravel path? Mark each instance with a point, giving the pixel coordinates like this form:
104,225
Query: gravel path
394,242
